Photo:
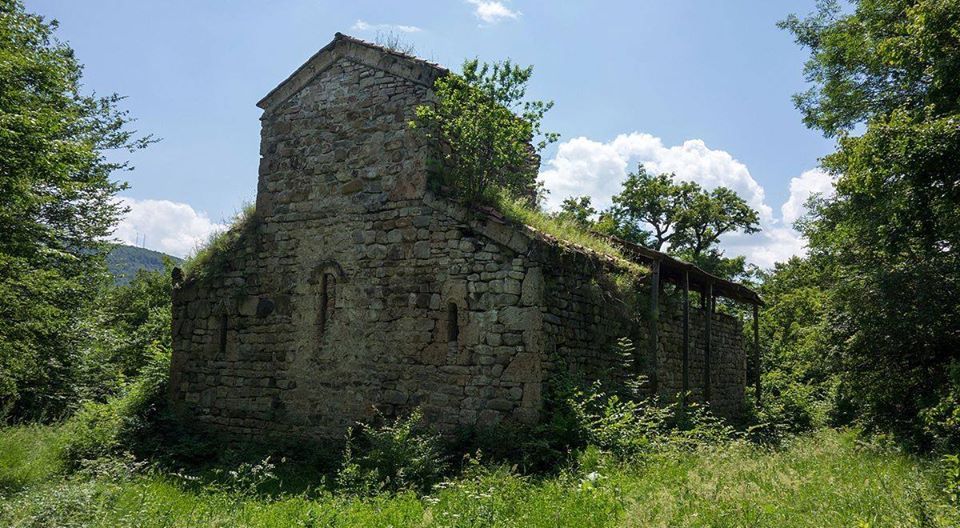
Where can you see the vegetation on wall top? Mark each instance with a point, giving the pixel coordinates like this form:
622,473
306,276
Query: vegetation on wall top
215,256
486,135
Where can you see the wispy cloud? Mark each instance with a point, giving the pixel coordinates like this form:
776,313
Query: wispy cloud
363,25
492,12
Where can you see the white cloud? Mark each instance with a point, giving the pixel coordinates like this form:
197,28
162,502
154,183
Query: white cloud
171,227
361,25
584,166
813,181
492,12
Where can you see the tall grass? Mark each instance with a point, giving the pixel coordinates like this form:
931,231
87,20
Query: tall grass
517,210
829,479
28,455
214,256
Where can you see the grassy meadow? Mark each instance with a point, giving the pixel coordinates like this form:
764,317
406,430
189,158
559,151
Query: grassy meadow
831,478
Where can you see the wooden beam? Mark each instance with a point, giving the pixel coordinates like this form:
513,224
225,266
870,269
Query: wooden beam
708,314
756,349
685,353
654,336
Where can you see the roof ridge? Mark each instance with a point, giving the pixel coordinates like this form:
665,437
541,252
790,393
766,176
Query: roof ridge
315,64
343,36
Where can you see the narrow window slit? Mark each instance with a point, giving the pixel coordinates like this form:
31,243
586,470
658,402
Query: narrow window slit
328,284
453,324
223,333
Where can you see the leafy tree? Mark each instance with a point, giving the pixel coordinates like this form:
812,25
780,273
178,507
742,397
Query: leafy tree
800,388
657,204
56,209
577,210
682,218
887,56
891,234
709,215
487,135
127,322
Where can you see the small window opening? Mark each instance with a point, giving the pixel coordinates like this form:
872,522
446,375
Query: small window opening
223,333
328,284
453,324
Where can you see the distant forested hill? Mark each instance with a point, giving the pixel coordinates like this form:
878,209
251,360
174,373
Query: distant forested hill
124,261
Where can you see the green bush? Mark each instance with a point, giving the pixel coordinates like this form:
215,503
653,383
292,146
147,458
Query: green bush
123,423
790,406
951,478
630,429
395,456
128,321
941,422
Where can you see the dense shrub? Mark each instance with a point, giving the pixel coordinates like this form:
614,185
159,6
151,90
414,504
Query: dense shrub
630,428
951,478
130,320
125,422
394,456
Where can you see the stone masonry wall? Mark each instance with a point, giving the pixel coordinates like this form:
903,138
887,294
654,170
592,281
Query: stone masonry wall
728,360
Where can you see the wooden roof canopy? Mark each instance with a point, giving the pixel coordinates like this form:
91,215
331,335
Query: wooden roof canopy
673,269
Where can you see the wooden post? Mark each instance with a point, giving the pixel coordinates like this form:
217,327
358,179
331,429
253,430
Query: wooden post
756,349
685,353
708,314
654,323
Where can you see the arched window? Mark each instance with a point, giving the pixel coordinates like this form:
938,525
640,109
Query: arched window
328,300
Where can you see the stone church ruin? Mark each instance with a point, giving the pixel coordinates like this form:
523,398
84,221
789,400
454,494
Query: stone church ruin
354,289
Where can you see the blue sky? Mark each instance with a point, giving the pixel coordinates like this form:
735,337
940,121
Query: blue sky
698,87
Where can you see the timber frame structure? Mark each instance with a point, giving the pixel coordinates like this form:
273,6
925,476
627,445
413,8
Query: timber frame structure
687,276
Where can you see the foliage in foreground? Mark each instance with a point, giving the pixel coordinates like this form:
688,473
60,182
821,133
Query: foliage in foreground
124,422
398,455
888,242
57,209
829,479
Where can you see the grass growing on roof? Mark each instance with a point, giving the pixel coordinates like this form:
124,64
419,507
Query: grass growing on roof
517,210
212,258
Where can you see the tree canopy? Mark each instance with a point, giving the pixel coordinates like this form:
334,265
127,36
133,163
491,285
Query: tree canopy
666,214
56,207
486,133
890,237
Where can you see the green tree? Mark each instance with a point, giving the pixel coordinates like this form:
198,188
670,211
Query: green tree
709,215
655,204
800,388
487,136
578,211
127,322
682,218
891,234
56,209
